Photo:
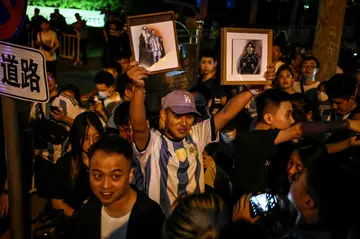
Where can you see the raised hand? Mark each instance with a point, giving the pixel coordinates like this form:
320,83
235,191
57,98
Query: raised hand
242,210
270,73
137,74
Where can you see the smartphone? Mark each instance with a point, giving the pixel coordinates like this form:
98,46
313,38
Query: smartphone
54,108
263,203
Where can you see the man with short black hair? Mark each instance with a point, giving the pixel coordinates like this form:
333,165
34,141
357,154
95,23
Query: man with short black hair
172,158
342,93
257,155
308,84
118,210
107,98
209,77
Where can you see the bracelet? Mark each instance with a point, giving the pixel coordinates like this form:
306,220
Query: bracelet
254,92
5,191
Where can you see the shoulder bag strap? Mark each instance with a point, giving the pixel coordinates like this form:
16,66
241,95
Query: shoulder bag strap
302,86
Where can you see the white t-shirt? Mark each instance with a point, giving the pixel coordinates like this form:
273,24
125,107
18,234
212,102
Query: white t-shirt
297,86
113,227
49,39
174,168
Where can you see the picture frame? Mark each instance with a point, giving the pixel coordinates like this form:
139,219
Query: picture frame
245,54
154,42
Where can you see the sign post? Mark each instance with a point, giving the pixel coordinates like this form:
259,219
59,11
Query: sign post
22,76
199,29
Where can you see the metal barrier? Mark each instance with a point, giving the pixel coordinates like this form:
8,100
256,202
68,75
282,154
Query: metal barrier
70,47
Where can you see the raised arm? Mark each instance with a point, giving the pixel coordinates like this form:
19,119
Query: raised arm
237,104
315,128
231,109
140,129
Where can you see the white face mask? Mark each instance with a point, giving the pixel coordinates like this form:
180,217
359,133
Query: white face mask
227,137
323,97
103,94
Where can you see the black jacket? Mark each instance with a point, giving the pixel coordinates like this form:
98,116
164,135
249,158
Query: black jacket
146,219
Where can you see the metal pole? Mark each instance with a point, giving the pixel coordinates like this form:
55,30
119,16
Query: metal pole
199,28
13,163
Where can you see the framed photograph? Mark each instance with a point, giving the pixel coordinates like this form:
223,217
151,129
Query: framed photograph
154,42
245,53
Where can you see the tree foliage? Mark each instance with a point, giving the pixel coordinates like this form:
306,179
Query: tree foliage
79,4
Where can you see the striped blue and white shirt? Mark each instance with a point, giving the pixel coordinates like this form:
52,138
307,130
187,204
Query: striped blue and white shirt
70,108
171,168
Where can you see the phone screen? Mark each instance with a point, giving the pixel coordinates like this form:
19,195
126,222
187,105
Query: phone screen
262,203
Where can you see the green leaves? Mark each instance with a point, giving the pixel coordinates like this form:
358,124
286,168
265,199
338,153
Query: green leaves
78,4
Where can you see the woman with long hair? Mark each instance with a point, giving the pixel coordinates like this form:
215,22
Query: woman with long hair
72,184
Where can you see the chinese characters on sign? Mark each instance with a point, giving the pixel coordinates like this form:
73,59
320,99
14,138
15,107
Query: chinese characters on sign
29,76
22,73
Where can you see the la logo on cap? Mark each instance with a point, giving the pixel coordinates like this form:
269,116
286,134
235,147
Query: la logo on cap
187,99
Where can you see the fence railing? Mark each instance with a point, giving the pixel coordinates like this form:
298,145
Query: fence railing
69,45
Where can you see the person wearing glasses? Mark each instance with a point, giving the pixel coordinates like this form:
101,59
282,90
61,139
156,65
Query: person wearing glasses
72,175
308,84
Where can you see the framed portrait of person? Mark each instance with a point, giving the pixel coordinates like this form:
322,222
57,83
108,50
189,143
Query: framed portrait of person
245,54
154,41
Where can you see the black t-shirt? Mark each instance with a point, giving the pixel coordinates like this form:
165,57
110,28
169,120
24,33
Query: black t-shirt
351,155
216,91
254,151
113,31
72,194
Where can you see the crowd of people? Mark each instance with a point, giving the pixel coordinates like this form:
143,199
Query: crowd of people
108,170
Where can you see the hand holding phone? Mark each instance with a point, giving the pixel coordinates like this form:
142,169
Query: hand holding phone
54,108
263,203
242,210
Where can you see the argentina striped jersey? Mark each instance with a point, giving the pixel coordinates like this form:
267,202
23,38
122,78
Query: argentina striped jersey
173,168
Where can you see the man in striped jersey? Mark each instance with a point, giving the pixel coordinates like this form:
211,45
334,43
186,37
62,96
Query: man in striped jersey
171,160
61,109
